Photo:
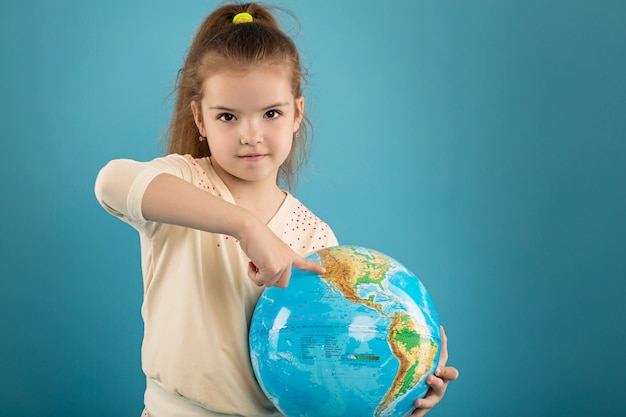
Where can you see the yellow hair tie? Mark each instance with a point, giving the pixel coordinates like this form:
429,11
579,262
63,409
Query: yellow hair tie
242,18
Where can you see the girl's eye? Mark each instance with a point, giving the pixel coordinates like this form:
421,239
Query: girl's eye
272,114
227,117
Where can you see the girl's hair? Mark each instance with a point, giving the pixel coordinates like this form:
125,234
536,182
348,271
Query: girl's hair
222,45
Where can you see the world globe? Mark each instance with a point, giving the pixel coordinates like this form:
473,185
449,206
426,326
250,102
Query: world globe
358,340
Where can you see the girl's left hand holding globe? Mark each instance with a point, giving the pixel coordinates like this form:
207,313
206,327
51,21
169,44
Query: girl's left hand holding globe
438,383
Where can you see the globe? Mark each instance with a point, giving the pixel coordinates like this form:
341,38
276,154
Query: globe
358,340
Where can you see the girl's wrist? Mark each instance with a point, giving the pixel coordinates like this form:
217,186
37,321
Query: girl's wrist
244,224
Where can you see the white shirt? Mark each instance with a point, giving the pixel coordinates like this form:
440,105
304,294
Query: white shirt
198,299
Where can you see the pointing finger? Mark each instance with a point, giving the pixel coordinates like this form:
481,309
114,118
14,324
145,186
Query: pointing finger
307,265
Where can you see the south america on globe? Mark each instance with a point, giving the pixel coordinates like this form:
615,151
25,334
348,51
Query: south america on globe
358,340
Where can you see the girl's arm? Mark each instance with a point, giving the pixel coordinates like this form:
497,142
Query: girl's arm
169,199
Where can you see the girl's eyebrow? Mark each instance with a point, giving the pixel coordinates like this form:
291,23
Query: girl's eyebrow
228,109
221,108
279,104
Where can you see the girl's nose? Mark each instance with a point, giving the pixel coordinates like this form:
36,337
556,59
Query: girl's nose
250,139
251,135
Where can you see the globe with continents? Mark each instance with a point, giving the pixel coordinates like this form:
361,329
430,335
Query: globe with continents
358,340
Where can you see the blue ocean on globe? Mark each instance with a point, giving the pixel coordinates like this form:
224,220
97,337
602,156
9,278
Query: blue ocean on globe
359,340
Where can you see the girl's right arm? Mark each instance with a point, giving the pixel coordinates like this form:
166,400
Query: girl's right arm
172,200
169,199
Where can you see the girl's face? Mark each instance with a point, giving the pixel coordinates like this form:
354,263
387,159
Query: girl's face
249,119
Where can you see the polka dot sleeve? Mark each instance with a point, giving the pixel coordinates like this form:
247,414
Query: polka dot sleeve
301,229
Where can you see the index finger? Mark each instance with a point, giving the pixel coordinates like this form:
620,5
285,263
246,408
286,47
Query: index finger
307,265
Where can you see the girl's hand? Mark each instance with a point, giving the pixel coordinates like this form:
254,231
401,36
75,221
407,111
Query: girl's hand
271,259
438,383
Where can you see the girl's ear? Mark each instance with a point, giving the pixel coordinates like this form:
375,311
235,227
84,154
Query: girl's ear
299,113
197,117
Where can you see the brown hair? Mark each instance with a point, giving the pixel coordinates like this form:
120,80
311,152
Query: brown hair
221,45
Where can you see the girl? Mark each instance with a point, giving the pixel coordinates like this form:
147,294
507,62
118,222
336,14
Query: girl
215,227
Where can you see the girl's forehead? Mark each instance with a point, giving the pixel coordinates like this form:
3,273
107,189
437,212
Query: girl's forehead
267,77
254,87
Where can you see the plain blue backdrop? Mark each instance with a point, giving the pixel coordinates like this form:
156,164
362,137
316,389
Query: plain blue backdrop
481,143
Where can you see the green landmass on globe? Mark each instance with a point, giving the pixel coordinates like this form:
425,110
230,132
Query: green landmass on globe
347,269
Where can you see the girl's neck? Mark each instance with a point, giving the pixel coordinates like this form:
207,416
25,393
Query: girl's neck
262,198
263,203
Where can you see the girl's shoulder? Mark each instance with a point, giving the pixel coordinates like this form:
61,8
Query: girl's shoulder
180,165
300,228
198,171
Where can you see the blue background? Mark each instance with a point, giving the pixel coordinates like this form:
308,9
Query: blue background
481,143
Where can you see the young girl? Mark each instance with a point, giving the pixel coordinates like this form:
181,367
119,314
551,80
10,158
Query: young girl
215,227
